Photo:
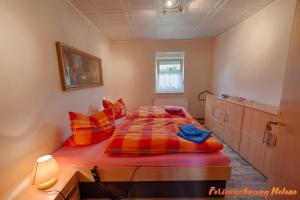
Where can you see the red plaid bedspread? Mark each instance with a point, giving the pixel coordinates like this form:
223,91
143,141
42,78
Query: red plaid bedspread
155,112
150,136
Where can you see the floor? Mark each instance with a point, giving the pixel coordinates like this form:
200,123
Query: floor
243,174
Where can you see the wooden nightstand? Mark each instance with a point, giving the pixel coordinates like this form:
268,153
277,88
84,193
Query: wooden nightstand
67,184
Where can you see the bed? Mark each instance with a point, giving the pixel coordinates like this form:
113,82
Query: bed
188,174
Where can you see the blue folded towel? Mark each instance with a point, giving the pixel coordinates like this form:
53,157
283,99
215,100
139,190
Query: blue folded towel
197,139
191,133
192,130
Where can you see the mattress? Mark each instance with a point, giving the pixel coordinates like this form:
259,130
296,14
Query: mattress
89,156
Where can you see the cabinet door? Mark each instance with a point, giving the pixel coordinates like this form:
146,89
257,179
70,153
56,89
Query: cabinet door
233,125
209,108
219,128
252,147
71,189
220,104
219,118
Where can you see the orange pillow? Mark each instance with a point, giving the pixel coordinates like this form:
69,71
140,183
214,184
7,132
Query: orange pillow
119,107
92,129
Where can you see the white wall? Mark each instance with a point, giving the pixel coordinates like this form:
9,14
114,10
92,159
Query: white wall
33,107
132,75
250,58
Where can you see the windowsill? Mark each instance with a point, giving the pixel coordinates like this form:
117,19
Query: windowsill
170,92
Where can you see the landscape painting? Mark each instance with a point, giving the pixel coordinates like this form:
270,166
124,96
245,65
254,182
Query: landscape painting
78,69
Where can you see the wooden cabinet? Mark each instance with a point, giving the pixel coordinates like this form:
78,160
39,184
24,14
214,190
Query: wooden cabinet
67,185
242,125
252,147
209,109
71,190
225,120
233,125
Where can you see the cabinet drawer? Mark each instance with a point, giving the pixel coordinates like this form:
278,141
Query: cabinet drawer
220,105
219,128
219,115
219,125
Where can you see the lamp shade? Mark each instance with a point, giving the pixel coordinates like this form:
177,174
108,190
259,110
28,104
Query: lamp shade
45,172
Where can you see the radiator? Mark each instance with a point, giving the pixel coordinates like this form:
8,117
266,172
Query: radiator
178,101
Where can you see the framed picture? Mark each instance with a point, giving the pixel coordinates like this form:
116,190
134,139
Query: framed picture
77,68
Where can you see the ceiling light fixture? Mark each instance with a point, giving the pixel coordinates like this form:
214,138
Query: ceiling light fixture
169,3
172,6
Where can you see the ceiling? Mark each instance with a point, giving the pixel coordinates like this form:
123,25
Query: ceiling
142,20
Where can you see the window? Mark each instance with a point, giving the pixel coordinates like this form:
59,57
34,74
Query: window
169,72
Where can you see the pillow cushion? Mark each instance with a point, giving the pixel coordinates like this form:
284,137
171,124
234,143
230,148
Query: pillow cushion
119,107
92,129
173,110
107,103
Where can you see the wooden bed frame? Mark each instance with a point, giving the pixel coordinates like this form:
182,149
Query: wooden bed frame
163,182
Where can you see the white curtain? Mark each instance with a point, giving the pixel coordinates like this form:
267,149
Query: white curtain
169,82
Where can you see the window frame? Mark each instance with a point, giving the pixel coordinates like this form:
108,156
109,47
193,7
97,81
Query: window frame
160,59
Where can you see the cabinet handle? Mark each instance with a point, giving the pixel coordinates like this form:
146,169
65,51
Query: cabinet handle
268,136
275,141
265,137
213,111
226,117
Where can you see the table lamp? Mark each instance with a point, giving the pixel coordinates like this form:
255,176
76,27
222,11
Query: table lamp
45,172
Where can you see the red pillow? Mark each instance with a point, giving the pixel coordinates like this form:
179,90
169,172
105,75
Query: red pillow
92,129
119,107
107,103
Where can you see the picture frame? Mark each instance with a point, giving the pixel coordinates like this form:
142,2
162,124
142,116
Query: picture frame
78,69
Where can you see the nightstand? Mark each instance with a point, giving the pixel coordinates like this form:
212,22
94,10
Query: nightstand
67,184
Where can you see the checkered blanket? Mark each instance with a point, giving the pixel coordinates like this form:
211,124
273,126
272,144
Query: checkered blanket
150,136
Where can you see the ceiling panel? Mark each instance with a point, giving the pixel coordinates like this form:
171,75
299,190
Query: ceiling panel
165,28
141,19
204,4
106,4
194,16
97,20
141,4
84,6
248,3
115,18
170,18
